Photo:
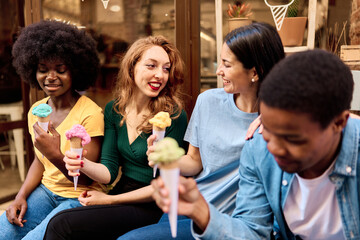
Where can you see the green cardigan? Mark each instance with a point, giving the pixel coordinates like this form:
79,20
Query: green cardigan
116,150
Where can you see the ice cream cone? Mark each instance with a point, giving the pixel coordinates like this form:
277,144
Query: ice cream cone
278,13
76,147
169,165
160,134
78,138
75,142
170,175
44,122
42,111
166,154
160,121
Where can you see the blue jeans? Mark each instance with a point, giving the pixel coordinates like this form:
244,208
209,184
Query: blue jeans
161,230
42,206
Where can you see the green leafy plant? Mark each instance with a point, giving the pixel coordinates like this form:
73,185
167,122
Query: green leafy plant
293,9
239,9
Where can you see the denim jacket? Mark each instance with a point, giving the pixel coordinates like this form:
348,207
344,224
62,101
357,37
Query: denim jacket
263,189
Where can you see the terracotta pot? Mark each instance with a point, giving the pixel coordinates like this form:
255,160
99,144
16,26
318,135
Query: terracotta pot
238,22
292,31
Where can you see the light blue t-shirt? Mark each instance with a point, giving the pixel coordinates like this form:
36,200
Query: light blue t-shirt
217,127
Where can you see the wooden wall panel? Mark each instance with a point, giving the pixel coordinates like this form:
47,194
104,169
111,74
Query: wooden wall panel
188,42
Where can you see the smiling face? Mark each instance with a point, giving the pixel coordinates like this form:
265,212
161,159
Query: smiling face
54,77
236,78
151,72
298,143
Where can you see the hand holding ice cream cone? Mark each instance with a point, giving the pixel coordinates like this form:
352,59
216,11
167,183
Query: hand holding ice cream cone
166,154
42,111
160,121
78,138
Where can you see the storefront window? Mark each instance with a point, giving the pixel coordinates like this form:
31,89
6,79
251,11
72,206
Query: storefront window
114,24
208,32
208,62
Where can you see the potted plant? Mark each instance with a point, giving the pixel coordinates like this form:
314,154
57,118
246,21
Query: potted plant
293,27
239,14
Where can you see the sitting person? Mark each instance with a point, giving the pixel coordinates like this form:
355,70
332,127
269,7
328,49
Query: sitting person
149,81
61,60
219,122
300,179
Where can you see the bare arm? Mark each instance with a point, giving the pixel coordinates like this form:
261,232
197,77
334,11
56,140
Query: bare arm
354,116
16,211
140,195
190,164
96,171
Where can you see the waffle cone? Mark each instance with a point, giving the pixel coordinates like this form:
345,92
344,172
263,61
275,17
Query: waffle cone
75,142
44,119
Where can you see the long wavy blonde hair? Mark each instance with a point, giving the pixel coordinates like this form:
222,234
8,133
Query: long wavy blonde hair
170,99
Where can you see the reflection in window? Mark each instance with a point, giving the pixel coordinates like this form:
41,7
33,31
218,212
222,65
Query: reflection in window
117,26
114,28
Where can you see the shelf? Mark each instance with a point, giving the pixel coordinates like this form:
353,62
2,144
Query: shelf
295,49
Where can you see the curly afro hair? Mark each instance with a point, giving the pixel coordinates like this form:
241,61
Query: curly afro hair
315,82
48,40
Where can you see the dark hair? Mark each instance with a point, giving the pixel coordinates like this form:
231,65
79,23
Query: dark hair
314,82
48,40
256,45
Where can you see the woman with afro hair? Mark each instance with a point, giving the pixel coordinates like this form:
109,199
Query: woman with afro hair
61,60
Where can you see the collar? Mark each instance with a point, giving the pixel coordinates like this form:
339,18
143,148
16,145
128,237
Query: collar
346,163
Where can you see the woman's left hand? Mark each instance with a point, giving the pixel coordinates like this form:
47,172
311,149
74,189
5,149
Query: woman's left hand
88,198
47,144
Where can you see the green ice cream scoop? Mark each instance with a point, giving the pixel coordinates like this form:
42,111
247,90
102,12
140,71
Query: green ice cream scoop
166,151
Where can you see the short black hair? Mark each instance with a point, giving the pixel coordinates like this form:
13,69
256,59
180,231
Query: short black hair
256,45
315,82
51,39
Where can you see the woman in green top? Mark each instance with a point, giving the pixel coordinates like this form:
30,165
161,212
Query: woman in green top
148,82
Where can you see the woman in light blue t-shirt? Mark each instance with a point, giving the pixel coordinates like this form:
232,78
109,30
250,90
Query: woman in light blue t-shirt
218,125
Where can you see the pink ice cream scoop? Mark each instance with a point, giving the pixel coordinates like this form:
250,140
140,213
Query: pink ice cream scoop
78,131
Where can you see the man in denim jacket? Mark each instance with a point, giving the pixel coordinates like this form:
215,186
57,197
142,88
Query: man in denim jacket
300,179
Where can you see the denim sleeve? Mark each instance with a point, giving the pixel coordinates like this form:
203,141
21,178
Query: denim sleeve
252,217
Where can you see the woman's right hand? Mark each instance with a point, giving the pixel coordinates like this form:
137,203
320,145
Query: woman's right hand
150,144
253,126
16,211
73,164
190,203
